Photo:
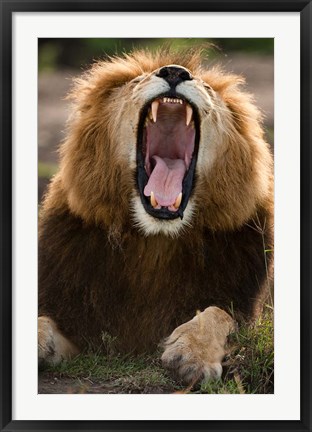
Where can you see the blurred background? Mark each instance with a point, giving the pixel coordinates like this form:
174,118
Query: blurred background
60,60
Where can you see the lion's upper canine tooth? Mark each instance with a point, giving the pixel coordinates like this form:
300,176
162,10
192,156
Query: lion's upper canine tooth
189,112
178,201
153,200
155,105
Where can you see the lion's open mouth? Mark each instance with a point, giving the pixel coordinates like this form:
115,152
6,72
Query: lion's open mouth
168,137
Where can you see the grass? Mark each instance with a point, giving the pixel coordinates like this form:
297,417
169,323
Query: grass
58,52
269,134
46,170
118,374
248,368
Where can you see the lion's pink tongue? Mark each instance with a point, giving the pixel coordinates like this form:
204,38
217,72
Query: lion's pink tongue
166,180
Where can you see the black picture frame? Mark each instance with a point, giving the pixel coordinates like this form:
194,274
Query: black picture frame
7,9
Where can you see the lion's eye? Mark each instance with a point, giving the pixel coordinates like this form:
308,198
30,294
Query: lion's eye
207,86
138,79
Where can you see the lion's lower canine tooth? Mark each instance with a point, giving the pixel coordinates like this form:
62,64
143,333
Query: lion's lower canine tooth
178,201
189,112
153,200
155,105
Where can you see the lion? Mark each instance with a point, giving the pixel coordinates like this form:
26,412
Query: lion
154,229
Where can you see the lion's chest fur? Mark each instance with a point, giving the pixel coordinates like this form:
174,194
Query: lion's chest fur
140,289
148,289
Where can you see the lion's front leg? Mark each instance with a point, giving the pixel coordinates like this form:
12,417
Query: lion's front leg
195,349
53,346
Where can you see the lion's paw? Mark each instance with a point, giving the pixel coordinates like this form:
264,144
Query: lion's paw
187,367
194,351
53,347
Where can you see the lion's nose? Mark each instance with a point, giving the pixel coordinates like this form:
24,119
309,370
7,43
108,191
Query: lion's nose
174,75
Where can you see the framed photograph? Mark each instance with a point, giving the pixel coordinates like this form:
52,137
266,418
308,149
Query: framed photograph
210,105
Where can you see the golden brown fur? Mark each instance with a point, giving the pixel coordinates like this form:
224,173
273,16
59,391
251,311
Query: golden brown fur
100,269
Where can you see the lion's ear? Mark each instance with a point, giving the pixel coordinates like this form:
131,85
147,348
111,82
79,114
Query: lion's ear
220,81
93,88
229,87
247,118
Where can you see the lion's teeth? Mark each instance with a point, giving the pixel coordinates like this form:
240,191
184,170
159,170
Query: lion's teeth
155,105
189,112
172,100
153,200
150,115
178,201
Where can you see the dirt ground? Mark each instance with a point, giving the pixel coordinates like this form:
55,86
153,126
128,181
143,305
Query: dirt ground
55,383
53,111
